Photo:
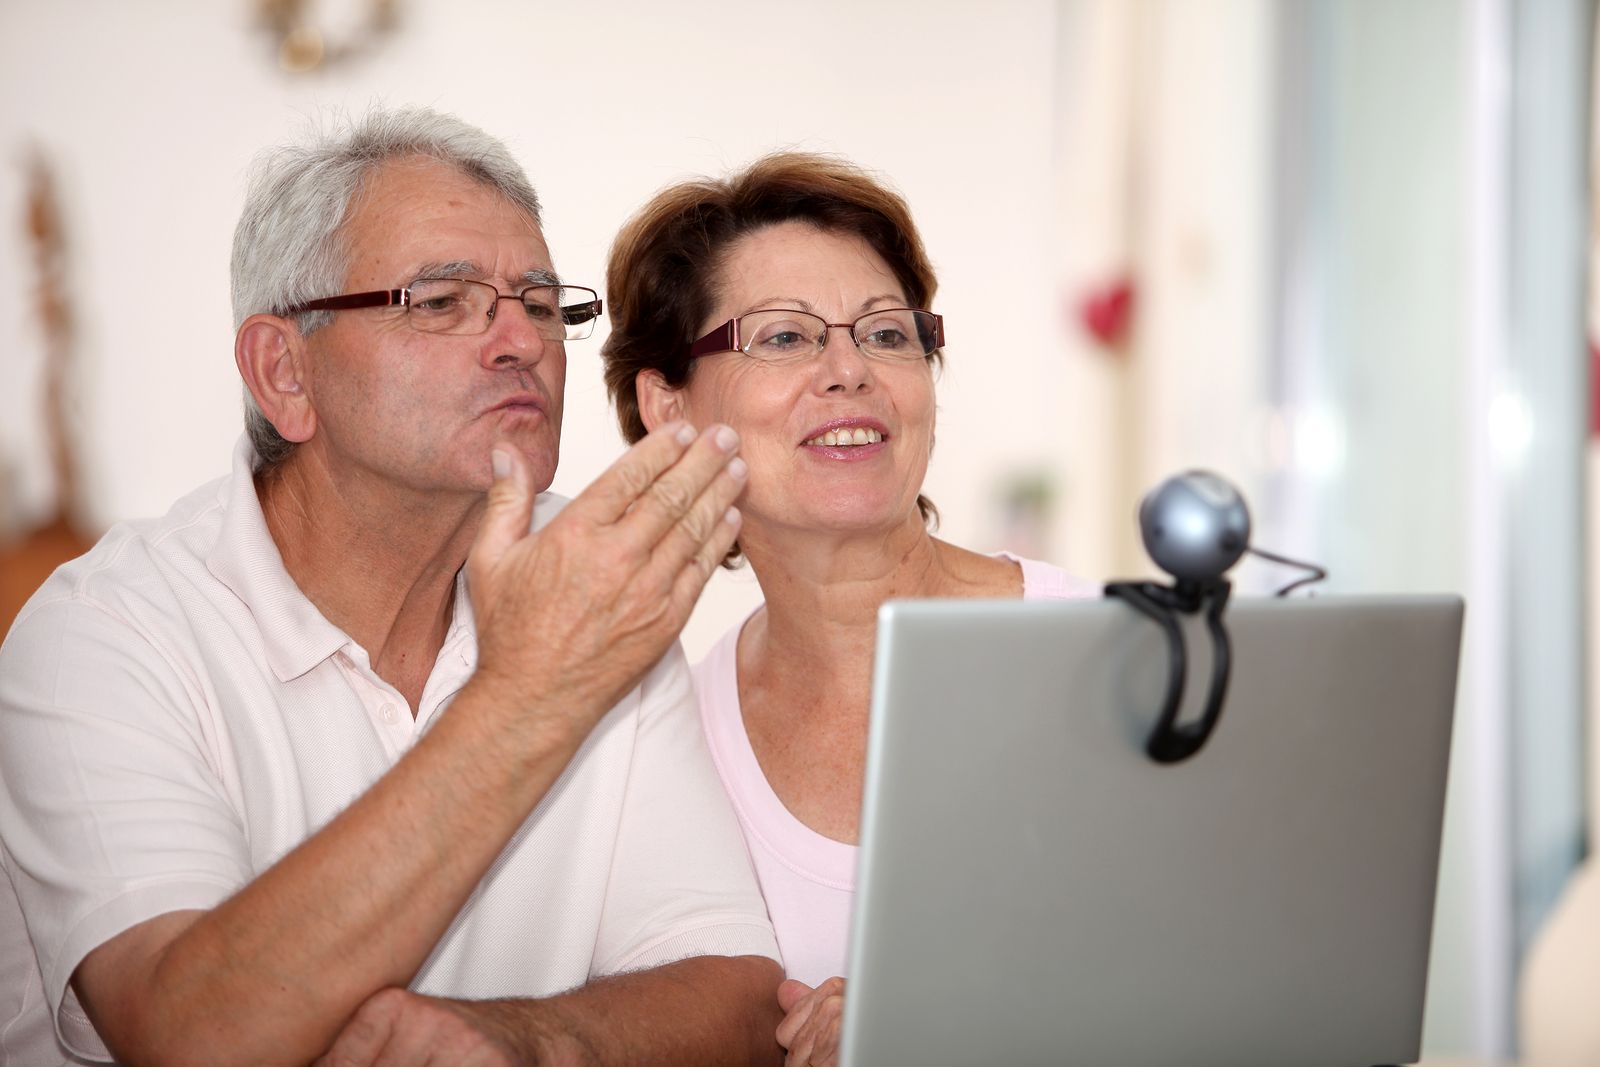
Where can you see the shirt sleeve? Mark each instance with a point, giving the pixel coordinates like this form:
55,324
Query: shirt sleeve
110,813
681,883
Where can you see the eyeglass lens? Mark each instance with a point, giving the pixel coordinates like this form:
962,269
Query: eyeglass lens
457,305
893,333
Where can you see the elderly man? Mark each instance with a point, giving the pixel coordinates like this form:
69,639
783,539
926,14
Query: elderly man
264,767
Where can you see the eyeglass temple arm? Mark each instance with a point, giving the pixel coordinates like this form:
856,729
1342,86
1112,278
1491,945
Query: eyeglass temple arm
724,338
378,298
574,314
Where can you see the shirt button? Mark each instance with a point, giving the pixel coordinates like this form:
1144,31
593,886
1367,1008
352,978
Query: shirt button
390,715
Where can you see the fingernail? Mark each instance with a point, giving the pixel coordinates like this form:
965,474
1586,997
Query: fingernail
500,460
727,440
687,434
738,468
731,516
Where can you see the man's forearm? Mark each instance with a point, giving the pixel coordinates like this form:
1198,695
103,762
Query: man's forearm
273,973
708,1011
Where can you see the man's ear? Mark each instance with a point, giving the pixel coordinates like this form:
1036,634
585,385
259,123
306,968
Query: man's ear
659,403
271,356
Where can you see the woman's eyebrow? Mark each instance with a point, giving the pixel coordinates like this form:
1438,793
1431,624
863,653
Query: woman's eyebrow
799,304
892,299
767,303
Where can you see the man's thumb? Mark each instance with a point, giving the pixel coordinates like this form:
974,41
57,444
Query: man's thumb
510,508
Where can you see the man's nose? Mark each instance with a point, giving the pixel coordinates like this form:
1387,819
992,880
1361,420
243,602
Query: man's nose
512,338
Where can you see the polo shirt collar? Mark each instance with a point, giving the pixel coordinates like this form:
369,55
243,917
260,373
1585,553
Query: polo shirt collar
296,636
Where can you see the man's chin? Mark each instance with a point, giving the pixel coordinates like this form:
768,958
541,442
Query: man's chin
540,457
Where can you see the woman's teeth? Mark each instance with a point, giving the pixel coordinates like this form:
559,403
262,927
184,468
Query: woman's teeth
858,436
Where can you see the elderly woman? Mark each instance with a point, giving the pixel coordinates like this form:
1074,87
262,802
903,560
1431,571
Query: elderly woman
791,301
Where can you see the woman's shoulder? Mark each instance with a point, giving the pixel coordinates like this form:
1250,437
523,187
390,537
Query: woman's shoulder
1046,581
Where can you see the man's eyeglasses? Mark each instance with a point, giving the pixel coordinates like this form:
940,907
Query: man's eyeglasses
785,336
459,306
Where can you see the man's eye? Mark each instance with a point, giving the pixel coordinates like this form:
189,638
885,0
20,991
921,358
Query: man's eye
436,304
538,310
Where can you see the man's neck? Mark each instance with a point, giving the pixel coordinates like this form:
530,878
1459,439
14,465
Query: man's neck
379,564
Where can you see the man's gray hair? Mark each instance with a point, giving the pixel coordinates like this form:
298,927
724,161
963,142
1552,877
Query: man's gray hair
287,248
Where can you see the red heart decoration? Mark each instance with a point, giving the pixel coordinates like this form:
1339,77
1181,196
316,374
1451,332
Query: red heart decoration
1107,311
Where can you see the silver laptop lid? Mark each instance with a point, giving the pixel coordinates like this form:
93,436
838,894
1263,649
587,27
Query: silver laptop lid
1034,890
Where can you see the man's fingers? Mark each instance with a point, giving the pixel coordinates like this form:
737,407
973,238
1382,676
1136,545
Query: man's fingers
700,523
363,1038
610,496
666,501
396,1028
510,509
693,575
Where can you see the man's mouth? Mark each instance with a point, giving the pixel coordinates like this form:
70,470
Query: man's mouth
523,402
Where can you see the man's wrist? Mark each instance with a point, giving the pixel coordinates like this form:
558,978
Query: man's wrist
507,711
533,1031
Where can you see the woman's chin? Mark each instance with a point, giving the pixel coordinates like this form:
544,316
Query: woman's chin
858,518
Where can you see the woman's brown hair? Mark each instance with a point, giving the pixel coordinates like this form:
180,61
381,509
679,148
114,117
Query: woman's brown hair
661,280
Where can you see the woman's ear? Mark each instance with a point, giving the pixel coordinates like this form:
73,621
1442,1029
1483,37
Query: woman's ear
271,355
659,403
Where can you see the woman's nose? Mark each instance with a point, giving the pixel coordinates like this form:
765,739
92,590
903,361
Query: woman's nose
842,366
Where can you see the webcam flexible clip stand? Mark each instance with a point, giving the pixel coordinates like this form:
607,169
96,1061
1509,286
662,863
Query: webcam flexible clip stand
1169,742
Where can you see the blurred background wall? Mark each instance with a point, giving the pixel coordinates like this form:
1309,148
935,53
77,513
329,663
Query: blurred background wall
1334,249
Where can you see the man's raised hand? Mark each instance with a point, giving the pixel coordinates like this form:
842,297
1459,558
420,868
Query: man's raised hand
570,617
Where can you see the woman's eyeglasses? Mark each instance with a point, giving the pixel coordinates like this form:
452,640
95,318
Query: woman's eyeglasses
781,335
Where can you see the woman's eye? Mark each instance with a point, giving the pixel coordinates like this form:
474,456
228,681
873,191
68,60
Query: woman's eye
782,339
888,337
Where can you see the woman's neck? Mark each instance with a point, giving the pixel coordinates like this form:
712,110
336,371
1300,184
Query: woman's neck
823,592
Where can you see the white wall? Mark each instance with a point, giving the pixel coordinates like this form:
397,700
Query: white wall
151,111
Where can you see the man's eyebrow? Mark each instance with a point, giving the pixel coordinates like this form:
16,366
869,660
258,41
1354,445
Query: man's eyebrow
466,268
455,268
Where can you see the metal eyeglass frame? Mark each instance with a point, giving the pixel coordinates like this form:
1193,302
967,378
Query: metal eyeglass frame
590,308
726,338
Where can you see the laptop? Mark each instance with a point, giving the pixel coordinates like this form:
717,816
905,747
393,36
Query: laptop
1034,889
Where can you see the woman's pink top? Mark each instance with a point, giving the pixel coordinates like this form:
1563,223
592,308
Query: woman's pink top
807,879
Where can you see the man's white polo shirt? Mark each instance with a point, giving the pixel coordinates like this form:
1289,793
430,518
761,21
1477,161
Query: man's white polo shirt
175,716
